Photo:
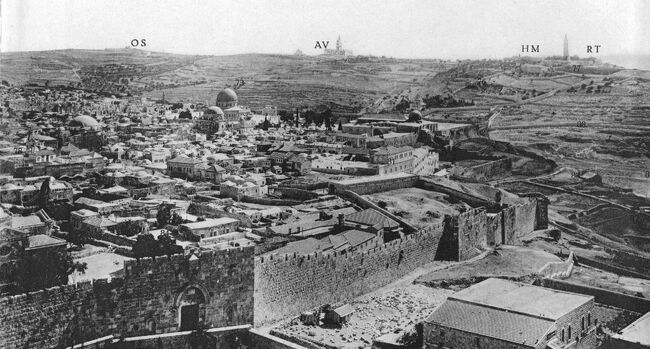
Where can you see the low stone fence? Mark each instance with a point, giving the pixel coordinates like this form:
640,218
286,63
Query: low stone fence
611,298
224,337
270,201
114,239
295,193
561,270
261,340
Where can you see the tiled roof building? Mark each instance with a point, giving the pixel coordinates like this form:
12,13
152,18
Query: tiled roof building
503,314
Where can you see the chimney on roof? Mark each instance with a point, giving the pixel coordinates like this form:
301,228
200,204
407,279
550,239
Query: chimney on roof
341,218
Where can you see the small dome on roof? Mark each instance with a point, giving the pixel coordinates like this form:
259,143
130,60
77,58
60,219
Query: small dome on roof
214,110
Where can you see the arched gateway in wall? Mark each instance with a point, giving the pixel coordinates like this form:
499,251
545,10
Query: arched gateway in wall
190,304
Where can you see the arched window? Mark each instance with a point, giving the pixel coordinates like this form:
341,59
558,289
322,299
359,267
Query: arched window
588,319
582,323
569,333
151,325
562,337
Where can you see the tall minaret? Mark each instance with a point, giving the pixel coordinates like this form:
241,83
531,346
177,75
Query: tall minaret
339,45
566,48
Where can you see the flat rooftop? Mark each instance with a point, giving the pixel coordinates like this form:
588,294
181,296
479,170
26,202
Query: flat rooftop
637,332
522,298
210,222
442,126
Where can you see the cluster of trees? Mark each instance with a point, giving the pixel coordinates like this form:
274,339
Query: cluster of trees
128,228
439,101
166,216
147,246
78,237
403,105
185,114
318,118
36,271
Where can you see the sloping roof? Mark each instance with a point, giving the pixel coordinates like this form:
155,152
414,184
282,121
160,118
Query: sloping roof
88,201
43,241
18,222
301,247
40,137
216,168
371,217
80,152
637,332
336,242
390,150
69,148
184,160
357,237
522,298
491,322
344,310
210,222
99,221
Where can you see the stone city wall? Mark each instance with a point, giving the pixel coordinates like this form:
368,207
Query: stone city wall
472,233
375,184
285,285
508,225
493,223
146,301
295,193
525,214
484,172
474,201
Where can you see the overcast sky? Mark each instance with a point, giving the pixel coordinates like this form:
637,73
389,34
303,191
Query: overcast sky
398,28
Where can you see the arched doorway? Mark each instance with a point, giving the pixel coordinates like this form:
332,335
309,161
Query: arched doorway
191,308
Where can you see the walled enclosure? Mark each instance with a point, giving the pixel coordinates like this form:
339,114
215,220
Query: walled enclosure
148,300
285,285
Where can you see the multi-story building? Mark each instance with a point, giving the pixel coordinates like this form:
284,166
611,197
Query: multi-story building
391,159
183,167
209,227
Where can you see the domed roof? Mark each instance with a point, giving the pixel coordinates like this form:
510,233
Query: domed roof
227,95
214,110
86,121
415,113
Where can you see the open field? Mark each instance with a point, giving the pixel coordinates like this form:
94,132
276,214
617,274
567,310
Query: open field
417,206
614,140
285,81
507,261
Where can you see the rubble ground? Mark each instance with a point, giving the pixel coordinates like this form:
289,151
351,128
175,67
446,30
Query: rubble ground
394,308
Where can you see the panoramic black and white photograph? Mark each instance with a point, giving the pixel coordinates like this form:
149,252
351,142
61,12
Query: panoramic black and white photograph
380,174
